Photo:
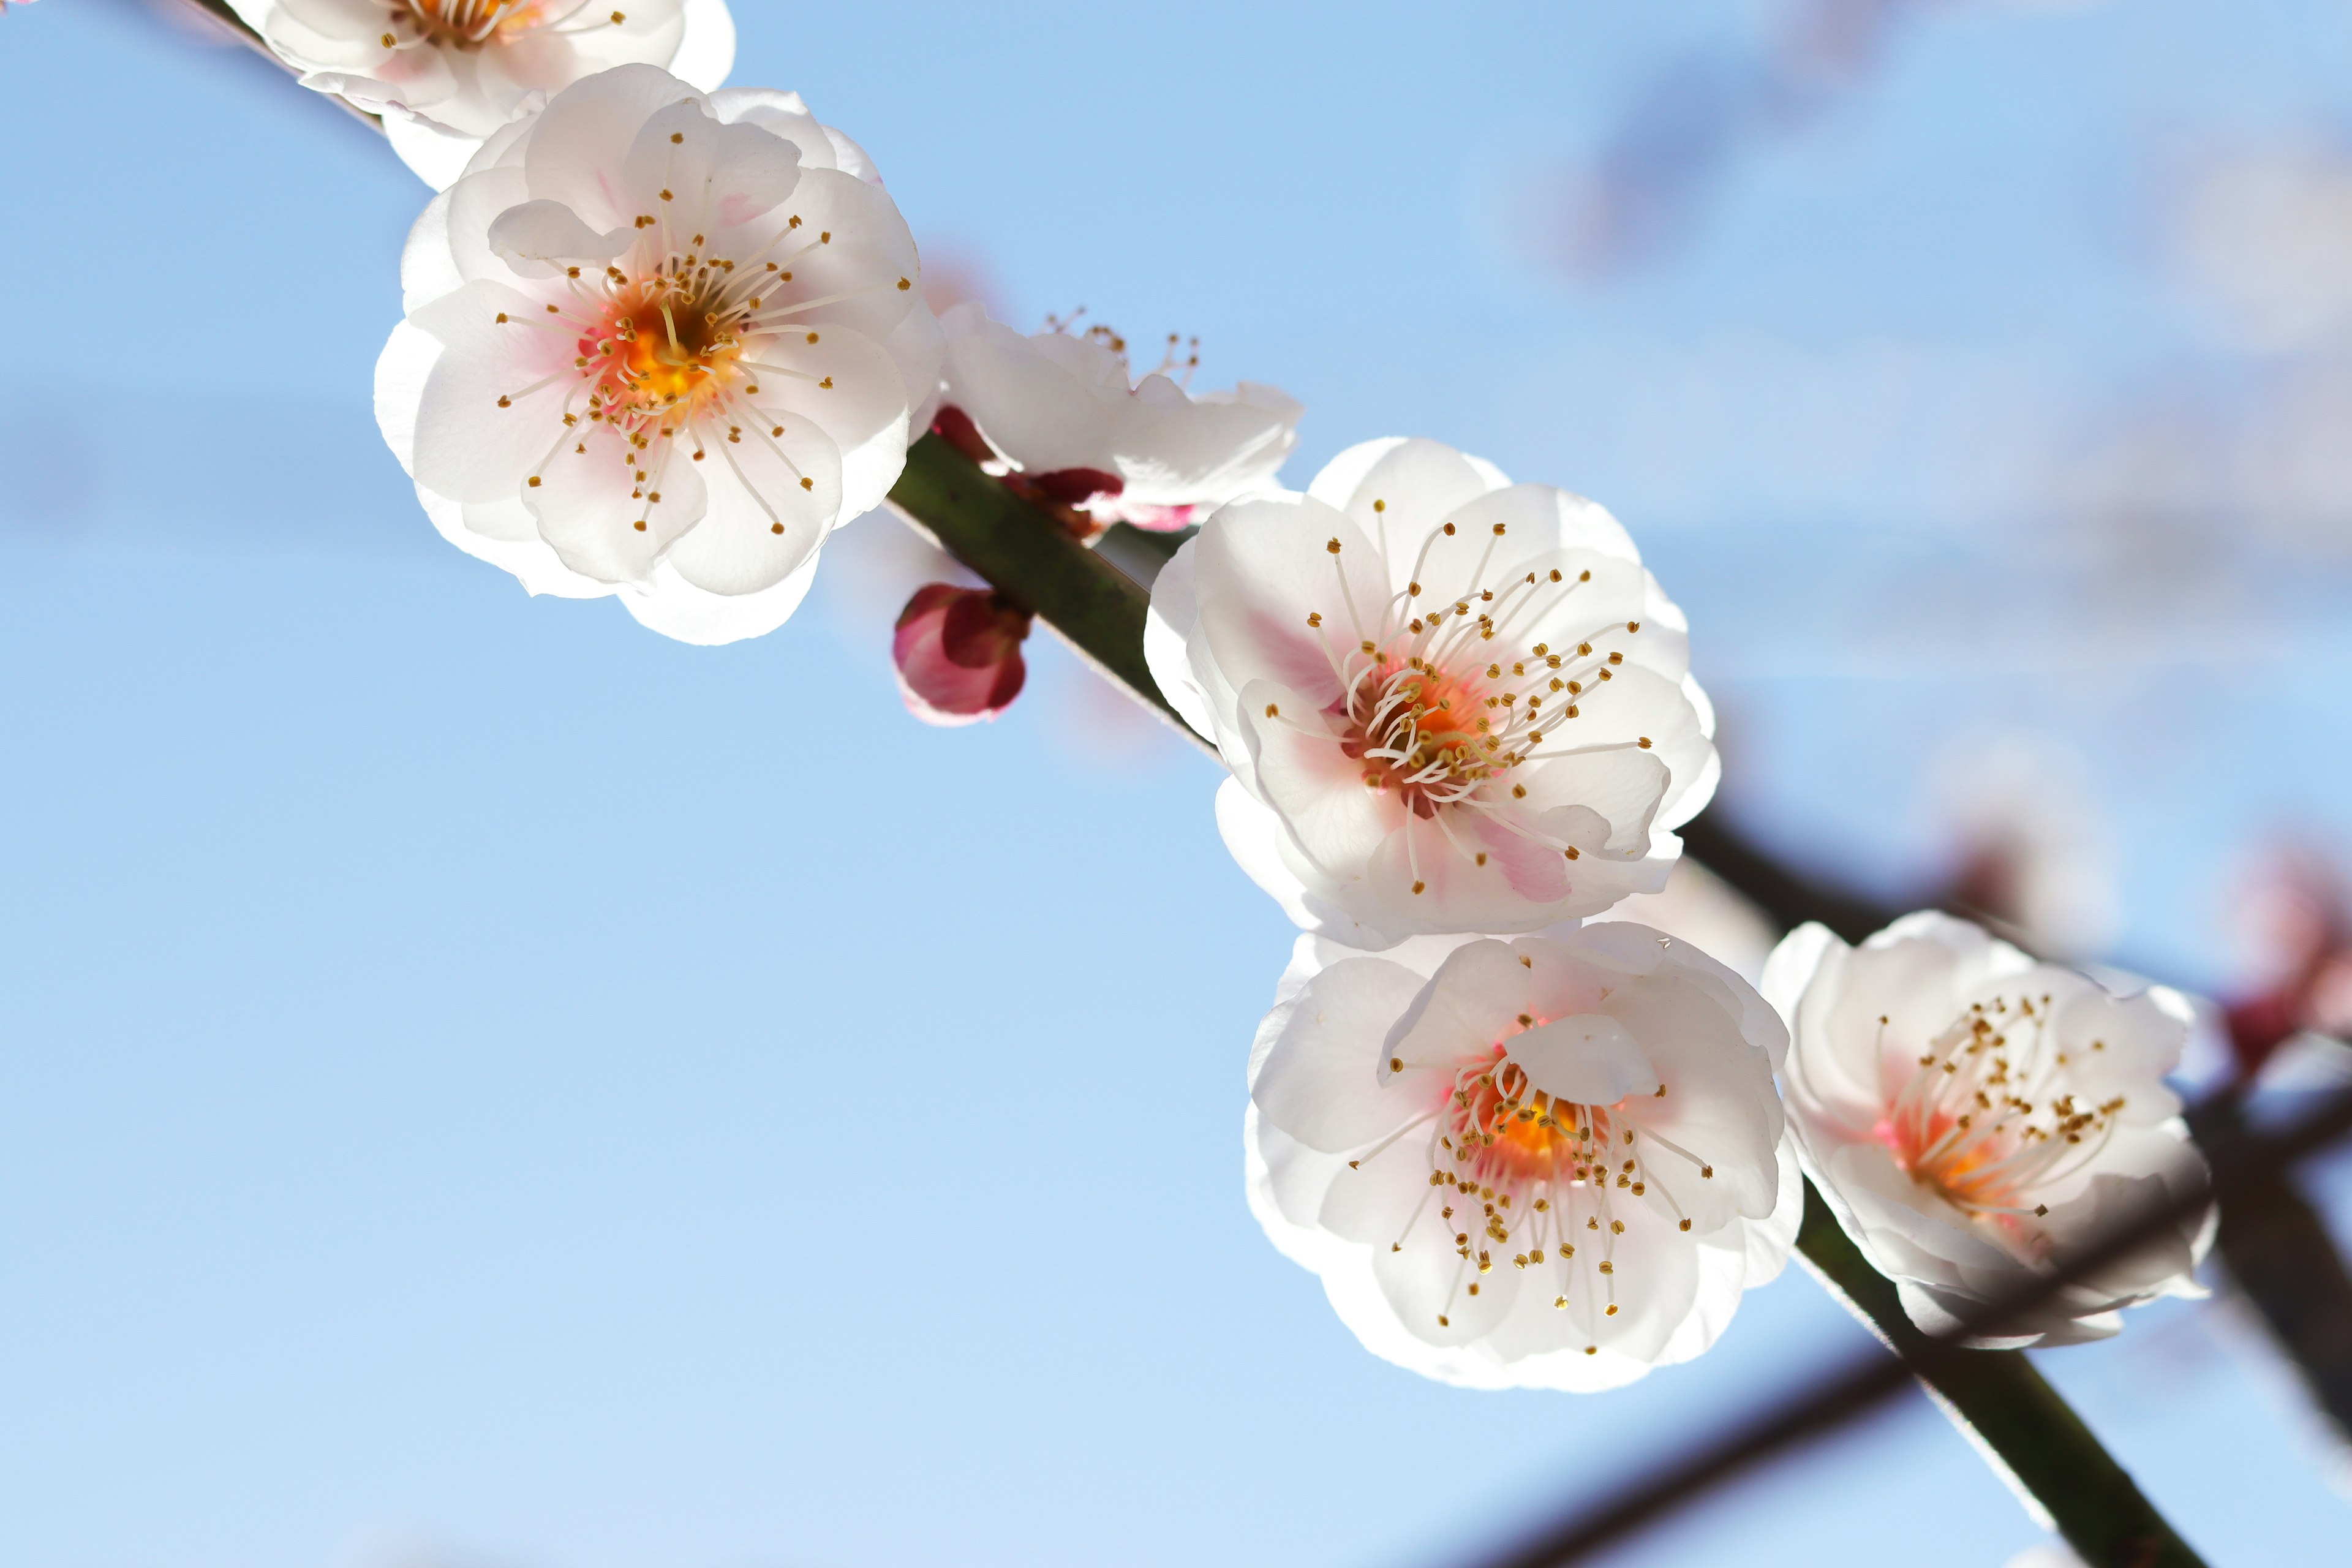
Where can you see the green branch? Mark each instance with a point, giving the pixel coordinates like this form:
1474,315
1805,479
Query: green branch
2020,1422
2023,1424
1032,560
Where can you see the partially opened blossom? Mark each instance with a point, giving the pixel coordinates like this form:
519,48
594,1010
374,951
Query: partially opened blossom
958,653
1449,702
446,74
1063,410
1555,1162
1971,1116
659,343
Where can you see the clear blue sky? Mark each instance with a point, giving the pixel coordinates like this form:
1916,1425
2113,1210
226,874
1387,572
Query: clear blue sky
484,1085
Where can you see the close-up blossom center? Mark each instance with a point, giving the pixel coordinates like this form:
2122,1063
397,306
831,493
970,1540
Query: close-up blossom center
1521,1176
1990,1112
664,349
1440,698
471,23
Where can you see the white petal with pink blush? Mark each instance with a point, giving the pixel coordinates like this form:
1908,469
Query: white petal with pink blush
1971,1116
659,343
1555,1163
1449,702
1064,402
445,74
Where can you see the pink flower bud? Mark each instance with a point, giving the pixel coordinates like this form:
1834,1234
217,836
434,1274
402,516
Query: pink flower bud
958,653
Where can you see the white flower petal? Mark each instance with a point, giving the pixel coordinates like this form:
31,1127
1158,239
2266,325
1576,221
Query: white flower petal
625,366
1470,732
1972,1117
1531,1242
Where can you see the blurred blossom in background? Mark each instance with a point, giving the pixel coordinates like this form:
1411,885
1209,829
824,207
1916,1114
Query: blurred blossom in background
433,1014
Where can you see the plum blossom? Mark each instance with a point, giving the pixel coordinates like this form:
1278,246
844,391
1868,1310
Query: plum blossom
1062,410
446,74
1970,1115
1554,1163
1449,702
659,343
958,653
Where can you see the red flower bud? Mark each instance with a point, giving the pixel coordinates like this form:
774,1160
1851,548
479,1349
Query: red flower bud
958,653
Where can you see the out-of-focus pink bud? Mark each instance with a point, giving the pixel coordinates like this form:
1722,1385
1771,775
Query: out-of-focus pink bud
2303,918
958,653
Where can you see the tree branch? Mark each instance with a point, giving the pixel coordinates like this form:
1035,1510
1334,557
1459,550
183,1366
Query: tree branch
1996,1394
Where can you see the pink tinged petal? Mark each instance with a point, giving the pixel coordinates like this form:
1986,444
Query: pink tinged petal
718,176
1586,1059
848,386
2140,1039
1472,1000
492,405
1323,1081
957,651
1718,1106
1261,568
781,114
1621,786
549,59
1527,861
600,520
538,239
1833,1076
772,498
327,34
856,272
1201,451
1637,705
581,142
474,203
1311,784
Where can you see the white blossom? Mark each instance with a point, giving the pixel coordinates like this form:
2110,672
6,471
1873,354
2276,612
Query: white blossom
659,342
1449,702
1555,1161
445,74
1144,450
1970,1116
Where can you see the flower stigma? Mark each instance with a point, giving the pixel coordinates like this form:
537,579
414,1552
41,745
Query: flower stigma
1530,1174
470,24
1990,1112
1441,700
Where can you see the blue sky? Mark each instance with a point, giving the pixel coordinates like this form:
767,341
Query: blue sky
488,1086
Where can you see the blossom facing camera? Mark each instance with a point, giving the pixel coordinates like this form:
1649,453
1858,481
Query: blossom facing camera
1449,702
446,74
1551,1162
1062,410
1970,1116
958,653
659,343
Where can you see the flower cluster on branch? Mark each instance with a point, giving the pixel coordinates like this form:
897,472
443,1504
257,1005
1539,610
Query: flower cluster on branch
662,337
